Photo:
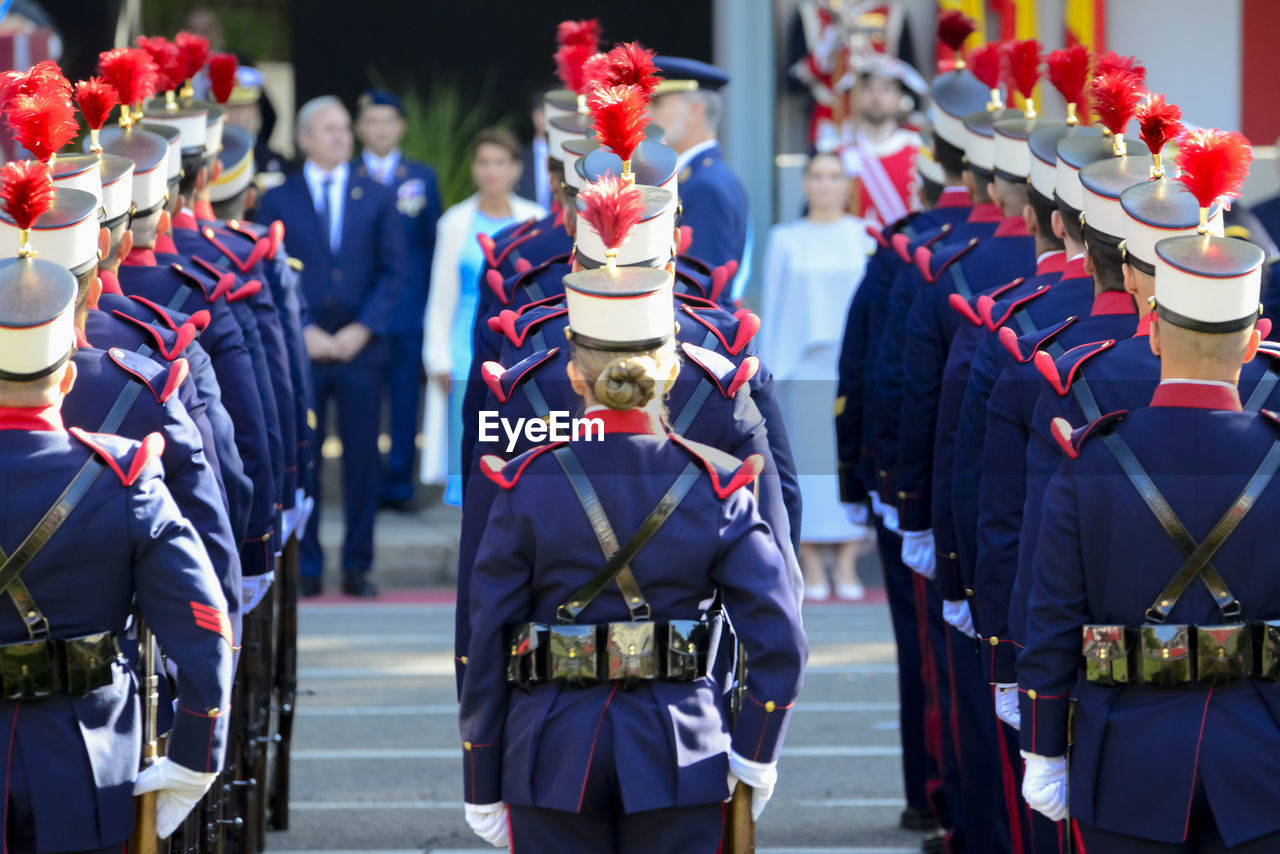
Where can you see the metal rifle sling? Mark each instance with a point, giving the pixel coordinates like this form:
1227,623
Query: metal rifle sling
1198,561
618,560
1263,389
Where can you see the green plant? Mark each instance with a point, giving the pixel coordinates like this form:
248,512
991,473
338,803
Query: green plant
441,127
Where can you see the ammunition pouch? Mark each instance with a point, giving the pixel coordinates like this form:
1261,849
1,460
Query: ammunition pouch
629,653
1106,654
1165,655
75,667
1224,654
1169,655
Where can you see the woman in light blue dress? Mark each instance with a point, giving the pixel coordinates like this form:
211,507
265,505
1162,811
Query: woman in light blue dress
451,301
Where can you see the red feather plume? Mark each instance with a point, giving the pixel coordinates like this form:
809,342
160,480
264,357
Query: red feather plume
631,64
954,27
222,76
621,115
131,72
570,60
1159,122
1115,99
985,64
42,76
194,50
1111,61
168,60
585,32
26,191
595,72
43,123
97,98
613,207
1069,72
1022,65
1214,164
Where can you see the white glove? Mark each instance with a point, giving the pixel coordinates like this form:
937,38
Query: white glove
877,506
177,789
489,821
891,518
858,514
760,776
1007,704
1044,785
958,616
253,589
918,552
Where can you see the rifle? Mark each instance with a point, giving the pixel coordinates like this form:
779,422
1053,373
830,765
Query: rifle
286,681
740,828
144,825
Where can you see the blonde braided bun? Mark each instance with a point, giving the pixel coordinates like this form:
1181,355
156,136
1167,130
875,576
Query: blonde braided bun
627,382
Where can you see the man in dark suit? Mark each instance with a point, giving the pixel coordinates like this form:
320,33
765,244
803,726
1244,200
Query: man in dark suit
535,180
344,229
380,125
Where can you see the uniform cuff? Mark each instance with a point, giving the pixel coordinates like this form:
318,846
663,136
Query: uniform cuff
1000,660
851,488
887,487
760,728
199,738
915,511
1044,722
947,578
482,772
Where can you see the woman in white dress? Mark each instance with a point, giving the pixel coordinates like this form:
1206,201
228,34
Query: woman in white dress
812,267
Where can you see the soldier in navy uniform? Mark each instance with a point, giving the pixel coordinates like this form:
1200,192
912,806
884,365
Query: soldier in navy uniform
688,105
618,667
1154,530
380,126
74,738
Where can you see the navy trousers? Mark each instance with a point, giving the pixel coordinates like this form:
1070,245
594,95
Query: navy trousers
403,382
355,390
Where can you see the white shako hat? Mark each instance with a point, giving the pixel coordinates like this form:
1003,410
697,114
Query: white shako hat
1044,154
1074,153
1013,146
563,128
78,172
151,156
558,103
649,244
37,317
1156,210
1101,184
236,158
173,161
66,234
955,94
627,309
579,147
109,177
980,137
653,164
1208,284
191,122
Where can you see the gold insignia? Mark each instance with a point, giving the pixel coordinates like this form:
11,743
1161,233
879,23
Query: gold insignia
840,404
357,192
295,265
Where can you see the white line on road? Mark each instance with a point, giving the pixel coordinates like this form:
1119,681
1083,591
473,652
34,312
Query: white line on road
452,709
385,753
445,668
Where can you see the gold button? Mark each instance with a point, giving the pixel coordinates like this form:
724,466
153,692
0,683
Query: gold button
213,713
466,745
770,706
1032,693
994,641
463,659
901,494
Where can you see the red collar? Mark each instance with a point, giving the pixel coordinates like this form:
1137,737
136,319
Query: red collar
111,282
140,258
1189,395
1051,262
954,197
1074,269
42,418
623,421
81,339
985,212
1144,326
1011,226
203,210
165,244
184,220
1113,302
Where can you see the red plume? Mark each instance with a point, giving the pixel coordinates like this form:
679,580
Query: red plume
26,191
954,27
1022,65
1214,164
621,115
595,72
985,64
1111,61
1159,122
131,72
1115,99
222,76
569,62
195,52
43,123
585,32
613,207
97,98
1069,72
630,64
40,77
168,60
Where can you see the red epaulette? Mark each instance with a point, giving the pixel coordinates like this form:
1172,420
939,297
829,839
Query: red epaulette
275,233
1072,440
503,381
505,323
902,245
686,239
924,260
877,234
961,306
150,449
720,278
517,242
747,471
1024,349
987,307
727,376
1062,373
184,335
221,281
140,367
248,289
507,473
695,300
261,248
748,326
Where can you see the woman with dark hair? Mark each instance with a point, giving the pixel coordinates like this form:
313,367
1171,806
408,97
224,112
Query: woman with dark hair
451,300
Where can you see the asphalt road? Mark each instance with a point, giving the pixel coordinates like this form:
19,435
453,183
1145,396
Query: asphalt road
377,765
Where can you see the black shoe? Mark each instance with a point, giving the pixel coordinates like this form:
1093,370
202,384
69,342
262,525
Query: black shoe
355,584
399,505
913,819
309,585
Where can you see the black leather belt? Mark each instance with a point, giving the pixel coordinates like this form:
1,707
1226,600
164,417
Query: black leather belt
580,656
75,667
